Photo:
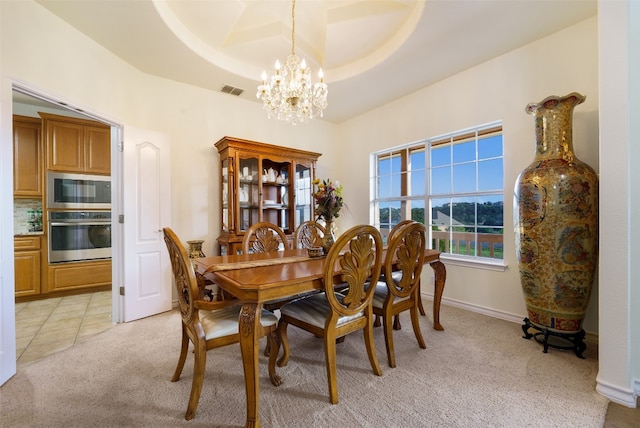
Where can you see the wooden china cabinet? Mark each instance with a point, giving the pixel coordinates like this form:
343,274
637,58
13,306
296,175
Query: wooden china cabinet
262,182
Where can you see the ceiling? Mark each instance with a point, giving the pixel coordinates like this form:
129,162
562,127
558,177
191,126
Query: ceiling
371,51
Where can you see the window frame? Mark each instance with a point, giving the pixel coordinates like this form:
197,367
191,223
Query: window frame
385,179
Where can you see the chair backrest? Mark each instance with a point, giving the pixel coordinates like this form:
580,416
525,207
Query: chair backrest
397,228
405,255
263,237
308,234
354,261
185,277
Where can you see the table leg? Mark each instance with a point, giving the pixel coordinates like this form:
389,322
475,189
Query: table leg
249,334
440,278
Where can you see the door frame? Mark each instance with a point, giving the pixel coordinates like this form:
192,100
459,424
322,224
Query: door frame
7,274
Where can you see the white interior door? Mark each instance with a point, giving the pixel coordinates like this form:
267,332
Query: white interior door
147,209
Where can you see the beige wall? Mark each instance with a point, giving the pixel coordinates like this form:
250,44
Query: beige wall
496,90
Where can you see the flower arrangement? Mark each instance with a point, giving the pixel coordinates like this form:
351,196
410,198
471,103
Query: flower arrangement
328,197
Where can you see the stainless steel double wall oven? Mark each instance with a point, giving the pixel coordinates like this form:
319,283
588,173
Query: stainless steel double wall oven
79,217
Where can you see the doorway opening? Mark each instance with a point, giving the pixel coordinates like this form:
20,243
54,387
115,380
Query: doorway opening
28,104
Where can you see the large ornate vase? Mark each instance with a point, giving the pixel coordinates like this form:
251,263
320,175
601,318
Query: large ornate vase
556,216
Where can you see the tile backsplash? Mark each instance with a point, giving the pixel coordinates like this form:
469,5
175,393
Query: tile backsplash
27,216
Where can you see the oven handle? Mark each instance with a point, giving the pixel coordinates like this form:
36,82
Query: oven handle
80,223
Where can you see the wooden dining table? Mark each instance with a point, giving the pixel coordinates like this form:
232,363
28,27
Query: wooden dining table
258,278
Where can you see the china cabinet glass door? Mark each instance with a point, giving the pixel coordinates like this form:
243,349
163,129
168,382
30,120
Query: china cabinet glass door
225,195
248,194
302,188
275,194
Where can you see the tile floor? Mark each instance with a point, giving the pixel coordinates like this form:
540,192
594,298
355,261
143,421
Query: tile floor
44,327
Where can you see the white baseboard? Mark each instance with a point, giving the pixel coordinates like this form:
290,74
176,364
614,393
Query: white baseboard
590,337
481,310
624,397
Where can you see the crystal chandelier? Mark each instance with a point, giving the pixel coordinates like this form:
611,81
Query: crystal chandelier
289,94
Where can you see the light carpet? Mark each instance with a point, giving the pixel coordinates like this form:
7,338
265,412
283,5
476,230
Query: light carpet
479,372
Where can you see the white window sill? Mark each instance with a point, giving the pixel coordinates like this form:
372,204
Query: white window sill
474,262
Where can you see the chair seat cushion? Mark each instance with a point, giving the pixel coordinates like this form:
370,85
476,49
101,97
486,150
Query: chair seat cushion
224,322
276,303
381,294
313,310
395,275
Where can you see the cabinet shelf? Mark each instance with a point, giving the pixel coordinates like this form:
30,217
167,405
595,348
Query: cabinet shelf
244,165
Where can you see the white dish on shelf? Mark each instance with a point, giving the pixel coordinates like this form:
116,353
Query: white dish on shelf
269,202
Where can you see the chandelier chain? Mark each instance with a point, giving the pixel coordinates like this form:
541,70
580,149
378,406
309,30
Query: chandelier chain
293,27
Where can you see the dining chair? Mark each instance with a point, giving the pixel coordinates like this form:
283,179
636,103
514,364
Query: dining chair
207,324
395,229
355,257
400,289
308,234
396,321
420,306
264,237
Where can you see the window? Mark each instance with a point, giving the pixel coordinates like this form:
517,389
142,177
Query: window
454,183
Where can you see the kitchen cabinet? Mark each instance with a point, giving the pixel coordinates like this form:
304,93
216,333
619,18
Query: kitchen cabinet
262,182
27,157
77,145
79,275
27,265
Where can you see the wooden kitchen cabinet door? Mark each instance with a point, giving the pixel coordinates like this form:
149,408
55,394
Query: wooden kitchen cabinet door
65,146
27,266
27,157
77,145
